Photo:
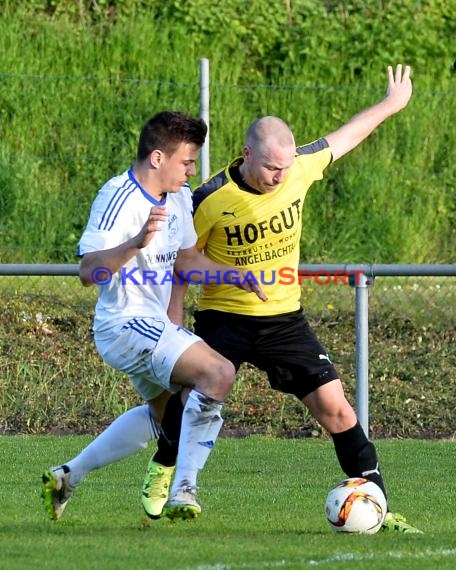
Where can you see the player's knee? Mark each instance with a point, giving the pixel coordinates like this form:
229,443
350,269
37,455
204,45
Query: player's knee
344,413
224,374
221,374
335,416
342,418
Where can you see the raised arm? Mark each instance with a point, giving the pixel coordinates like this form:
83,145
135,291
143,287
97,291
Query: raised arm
350,135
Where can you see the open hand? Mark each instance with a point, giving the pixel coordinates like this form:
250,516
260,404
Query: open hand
399,86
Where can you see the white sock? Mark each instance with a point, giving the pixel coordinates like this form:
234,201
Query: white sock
127,434
201,424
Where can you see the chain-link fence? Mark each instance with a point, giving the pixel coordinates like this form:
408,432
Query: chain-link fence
52,379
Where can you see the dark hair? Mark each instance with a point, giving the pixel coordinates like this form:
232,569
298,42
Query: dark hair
167,129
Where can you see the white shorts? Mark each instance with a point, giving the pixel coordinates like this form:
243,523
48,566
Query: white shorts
146,349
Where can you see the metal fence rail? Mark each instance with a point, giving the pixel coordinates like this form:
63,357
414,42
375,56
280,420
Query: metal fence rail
359,276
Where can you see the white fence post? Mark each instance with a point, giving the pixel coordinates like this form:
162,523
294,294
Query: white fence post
361,282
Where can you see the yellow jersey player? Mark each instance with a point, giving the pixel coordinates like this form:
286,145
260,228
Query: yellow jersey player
249,213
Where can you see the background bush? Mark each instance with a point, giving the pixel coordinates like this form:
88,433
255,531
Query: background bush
80,78
52,380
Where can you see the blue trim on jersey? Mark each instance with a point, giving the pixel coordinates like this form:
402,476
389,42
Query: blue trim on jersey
115,205
144,329
144,193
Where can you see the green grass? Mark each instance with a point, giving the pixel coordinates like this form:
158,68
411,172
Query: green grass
262,508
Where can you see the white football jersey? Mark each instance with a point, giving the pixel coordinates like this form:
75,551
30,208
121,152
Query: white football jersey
143,286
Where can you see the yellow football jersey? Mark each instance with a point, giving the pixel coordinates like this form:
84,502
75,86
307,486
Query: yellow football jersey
258,233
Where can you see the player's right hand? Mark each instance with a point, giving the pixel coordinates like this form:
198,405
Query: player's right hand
154,223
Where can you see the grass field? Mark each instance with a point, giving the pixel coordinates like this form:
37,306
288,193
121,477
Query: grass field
262,508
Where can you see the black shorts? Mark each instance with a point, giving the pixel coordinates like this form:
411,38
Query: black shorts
284,346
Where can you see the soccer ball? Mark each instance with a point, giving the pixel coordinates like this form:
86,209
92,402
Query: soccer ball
356,505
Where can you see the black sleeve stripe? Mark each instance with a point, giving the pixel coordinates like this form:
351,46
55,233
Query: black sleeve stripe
208,187
312,147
